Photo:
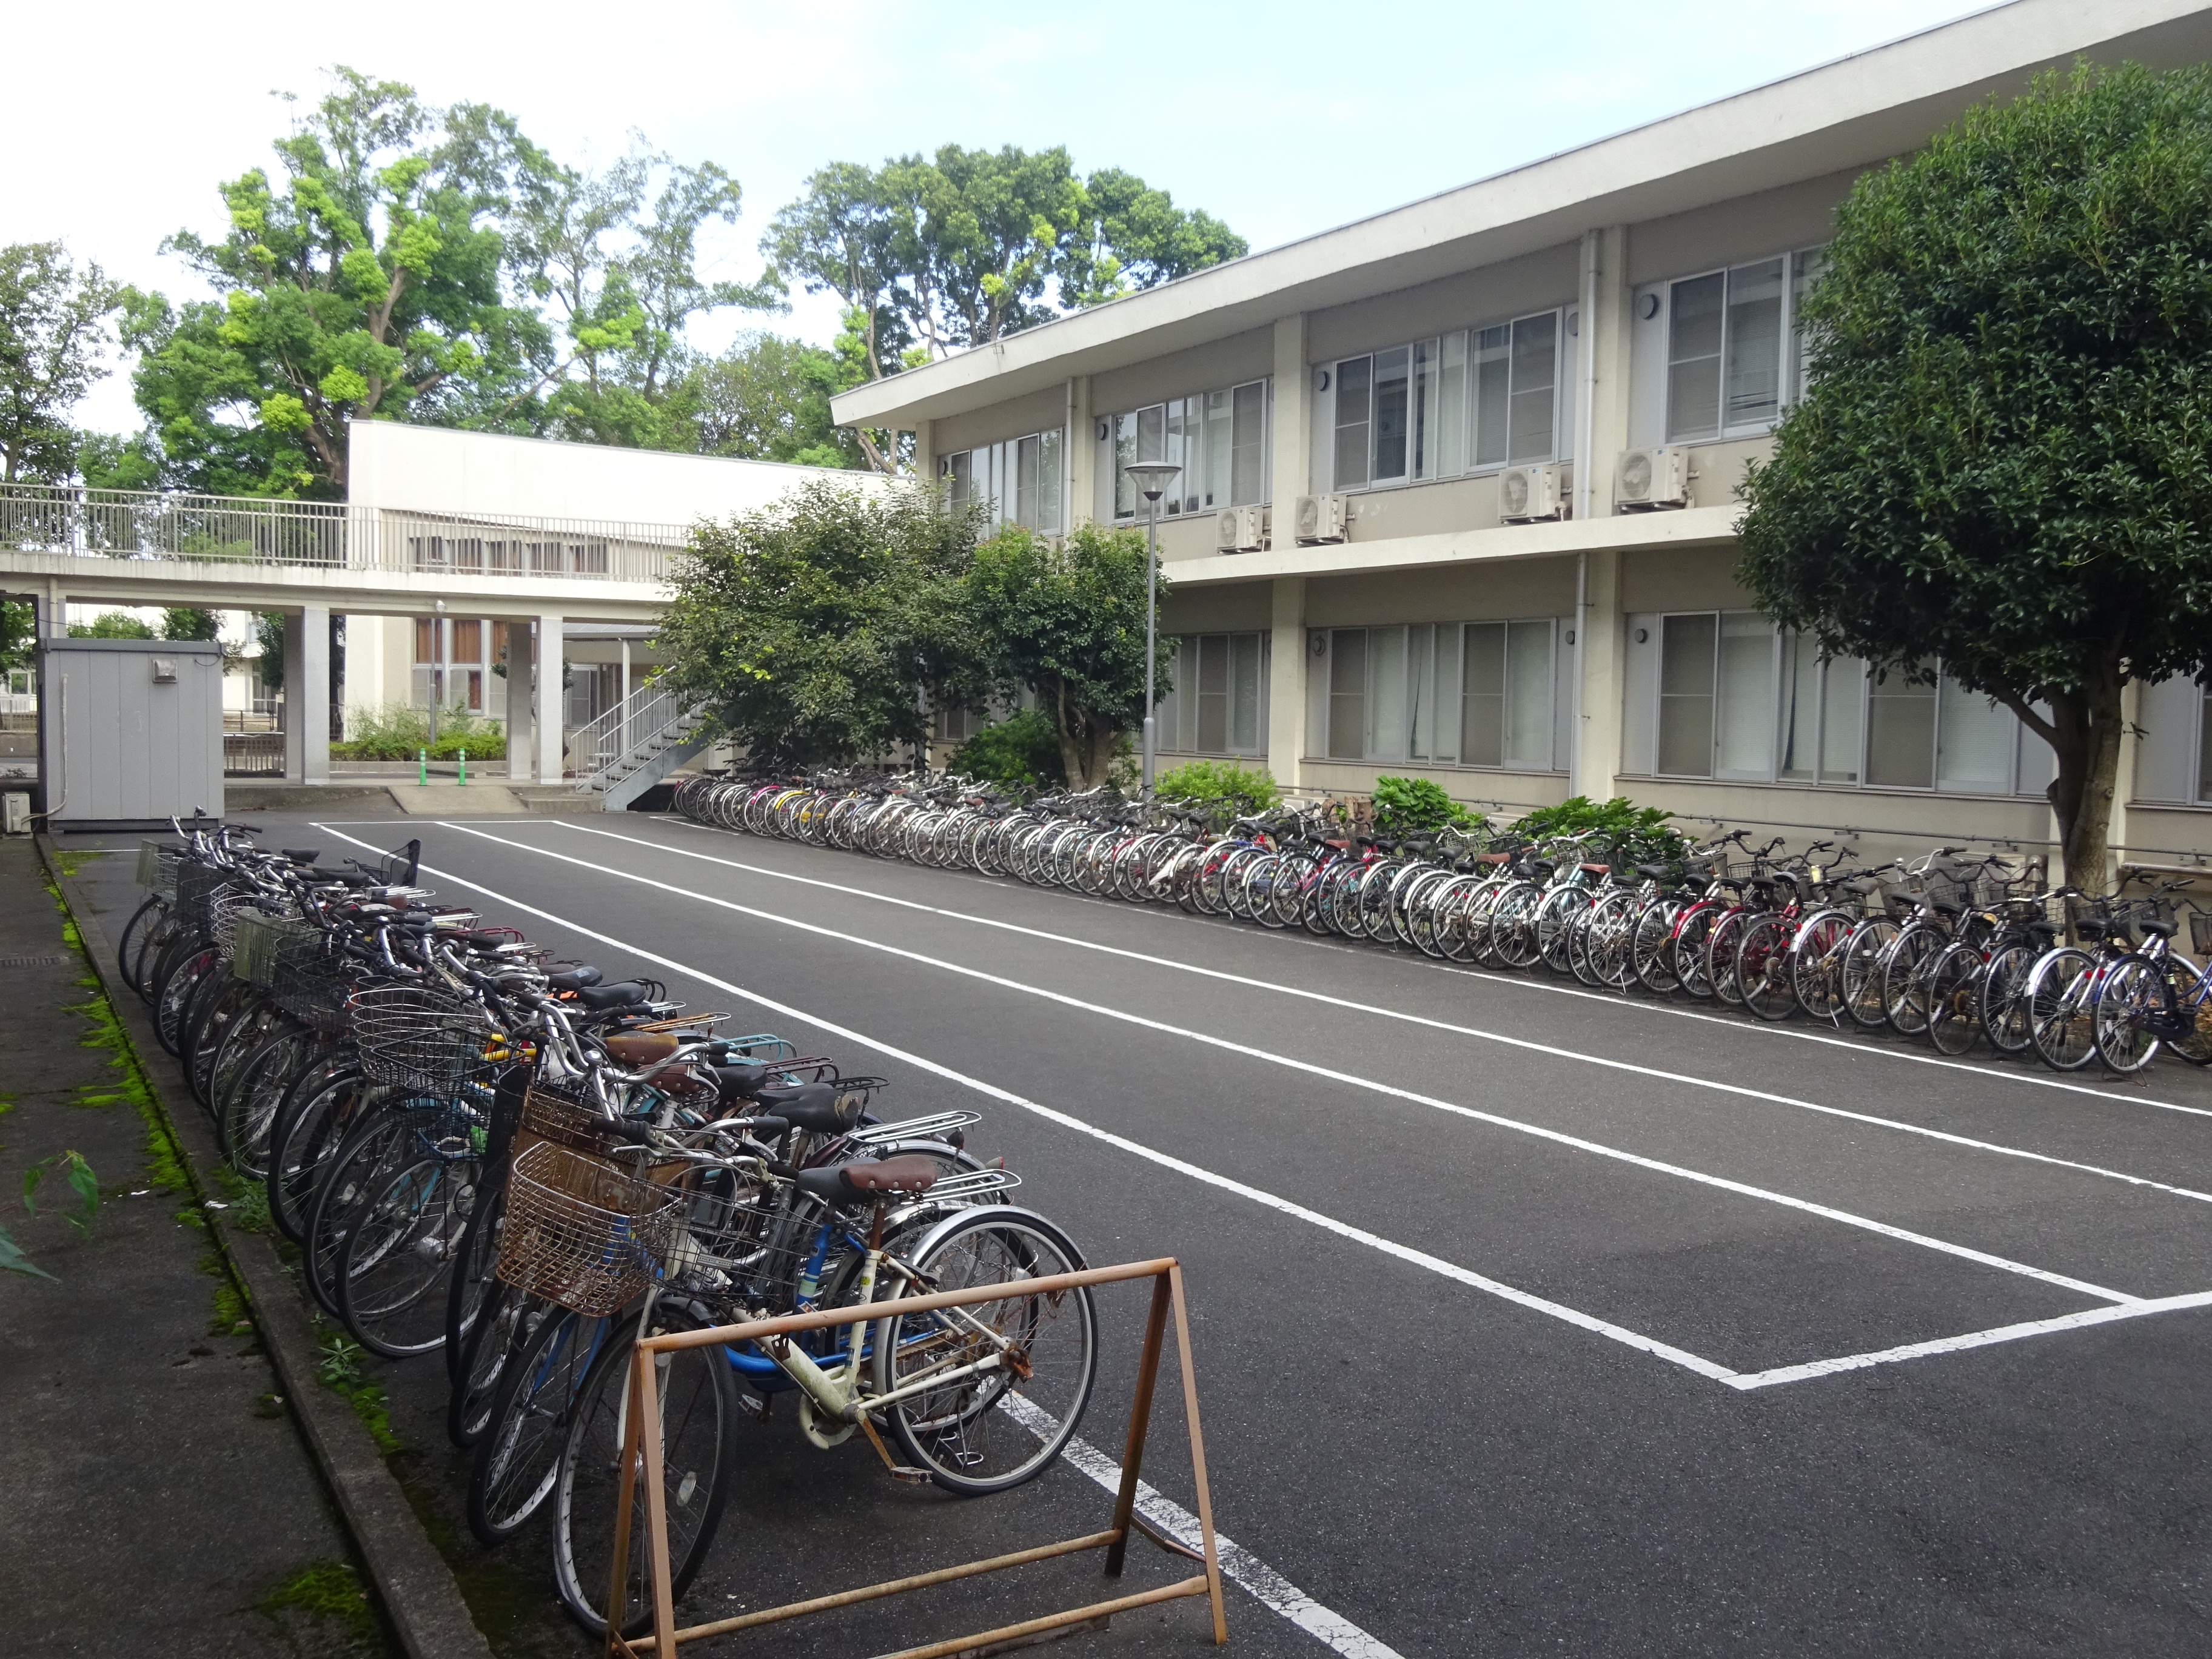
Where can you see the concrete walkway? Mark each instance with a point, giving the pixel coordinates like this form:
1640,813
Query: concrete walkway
158,1499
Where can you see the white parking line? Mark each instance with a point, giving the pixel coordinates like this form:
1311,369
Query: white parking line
1368,1084
1238,1565
1247,983
1618,1334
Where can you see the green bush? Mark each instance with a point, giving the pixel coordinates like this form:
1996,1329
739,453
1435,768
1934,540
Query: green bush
1233,790
1410,806
1022,751
1642,833
396,731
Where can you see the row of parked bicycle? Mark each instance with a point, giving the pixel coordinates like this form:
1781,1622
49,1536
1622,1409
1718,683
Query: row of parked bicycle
482,1152
1959,949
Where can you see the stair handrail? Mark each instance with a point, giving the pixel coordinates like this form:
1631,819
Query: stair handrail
620,740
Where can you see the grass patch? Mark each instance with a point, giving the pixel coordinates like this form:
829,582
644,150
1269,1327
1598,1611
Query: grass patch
233,1314
340,1372
326,1591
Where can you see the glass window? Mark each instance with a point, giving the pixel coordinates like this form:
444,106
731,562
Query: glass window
1975,740
1125,451
1390,415
1449,436
2204,748
1421,691
1843,691
1016,482
1529,681
1754,343
1183,420
1027,496
1482,696
1796,750
1685,693
468,641
1214,708
1049,469
1694,356
1804,271
1386,694
1219,444
1213,693
1248,478
1244,693
425,639
1347,693
1901,733
1745,712
1492,350
1536,368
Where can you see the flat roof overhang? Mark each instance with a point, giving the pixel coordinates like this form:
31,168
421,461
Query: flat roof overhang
1850,114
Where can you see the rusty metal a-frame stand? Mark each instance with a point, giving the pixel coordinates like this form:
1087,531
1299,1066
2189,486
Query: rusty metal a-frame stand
1166,1275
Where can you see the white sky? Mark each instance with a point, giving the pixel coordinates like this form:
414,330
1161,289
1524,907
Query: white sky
1282,118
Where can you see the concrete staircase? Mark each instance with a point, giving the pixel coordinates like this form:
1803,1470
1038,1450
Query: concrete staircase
634,745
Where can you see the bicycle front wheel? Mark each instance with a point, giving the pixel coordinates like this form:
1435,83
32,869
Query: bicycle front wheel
2130,998
997,1388
2062,1009
699,1416
1953,994
2003,1002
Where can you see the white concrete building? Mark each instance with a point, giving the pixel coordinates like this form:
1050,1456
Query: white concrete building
1458,479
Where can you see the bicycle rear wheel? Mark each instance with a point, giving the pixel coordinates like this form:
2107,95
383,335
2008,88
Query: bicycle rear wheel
1865,956
2132,996
1905,981
1953,999
1017,1369
518,1459
2061,1011
2001,999
1762,968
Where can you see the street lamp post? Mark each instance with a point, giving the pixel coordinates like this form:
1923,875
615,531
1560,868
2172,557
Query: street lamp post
1153,477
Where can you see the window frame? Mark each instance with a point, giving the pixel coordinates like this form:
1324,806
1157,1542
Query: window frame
991,475
1181,712
1441,664
1464,427
1186,424
1800,267
1861,701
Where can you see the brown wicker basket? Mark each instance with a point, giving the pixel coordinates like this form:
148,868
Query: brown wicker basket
584,1232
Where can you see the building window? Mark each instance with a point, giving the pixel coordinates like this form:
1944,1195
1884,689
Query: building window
1219,440
1016,482
2204,747
1742,701
1728,372
1465,402
1218,706
1443,694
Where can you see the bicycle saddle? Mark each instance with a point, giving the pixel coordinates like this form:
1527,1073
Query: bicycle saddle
870,1183
620,996
641,1048
817,1108
297,856
740,1078
574,979
2157,929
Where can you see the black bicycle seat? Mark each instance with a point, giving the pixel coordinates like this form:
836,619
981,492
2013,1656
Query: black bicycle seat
618,995
299,856
2157,929
574,979
741,1079
818,1107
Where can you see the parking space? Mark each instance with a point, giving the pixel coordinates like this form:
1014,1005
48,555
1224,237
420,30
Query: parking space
1523,1317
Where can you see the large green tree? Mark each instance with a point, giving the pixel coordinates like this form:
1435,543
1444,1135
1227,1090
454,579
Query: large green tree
820,628
2004,457
362,282
53,332
1066,622
766,399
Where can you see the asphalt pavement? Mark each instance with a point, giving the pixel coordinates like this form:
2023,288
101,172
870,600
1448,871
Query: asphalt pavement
1524,1318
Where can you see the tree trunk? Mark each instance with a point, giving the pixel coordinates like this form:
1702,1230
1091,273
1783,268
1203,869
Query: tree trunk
2085,731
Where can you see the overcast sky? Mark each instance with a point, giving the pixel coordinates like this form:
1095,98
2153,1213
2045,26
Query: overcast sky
1282,119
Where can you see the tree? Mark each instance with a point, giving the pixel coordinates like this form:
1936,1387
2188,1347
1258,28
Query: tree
1133,237
189,622
19,632
113,625
1067,622
2001,457
54,328
363,283
821,628
767,399
269,635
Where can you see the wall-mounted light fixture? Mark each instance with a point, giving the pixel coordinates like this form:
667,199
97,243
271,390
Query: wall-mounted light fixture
1643,635
1648,307
1321,379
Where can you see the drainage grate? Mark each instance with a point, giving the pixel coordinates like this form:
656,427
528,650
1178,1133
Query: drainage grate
32,961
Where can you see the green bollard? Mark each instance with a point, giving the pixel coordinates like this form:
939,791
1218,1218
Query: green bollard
465,766
422,768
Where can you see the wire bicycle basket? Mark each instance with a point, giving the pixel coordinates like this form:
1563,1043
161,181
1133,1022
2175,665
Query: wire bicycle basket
157,867
581,1232
417,1038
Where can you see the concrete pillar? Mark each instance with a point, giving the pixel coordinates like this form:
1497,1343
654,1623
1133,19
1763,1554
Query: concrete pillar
925,453
520,659
53,611
1081,445
550,732
307,695
1287,666
1289,458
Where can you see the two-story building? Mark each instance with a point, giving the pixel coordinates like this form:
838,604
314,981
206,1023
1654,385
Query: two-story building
1457,487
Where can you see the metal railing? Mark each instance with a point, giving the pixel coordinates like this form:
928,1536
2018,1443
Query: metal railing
150,525
618,741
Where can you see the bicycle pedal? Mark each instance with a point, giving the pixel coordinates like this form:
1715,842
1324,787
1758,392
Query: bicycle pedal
913,1477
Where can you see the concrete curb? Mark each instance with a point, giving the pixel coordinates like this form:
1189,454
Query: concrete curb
417,1589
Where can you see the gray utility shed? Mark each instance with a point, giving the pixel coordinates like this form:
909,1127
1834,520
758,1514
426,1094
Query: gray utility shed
129,731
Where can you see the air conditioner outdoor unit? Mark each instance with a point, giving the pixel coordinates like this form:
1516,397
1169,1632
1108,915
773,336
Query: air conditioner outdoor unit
1240,530
1529,492
1321,519
1649,478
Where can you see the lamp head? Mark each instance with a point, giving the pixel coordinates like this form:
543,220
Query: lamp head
1153,477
